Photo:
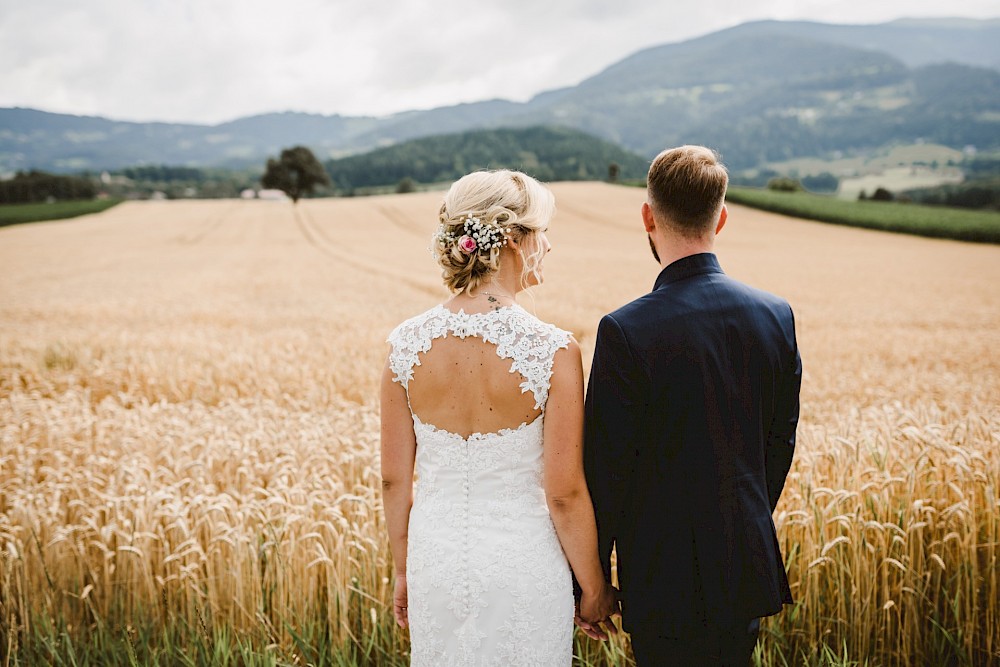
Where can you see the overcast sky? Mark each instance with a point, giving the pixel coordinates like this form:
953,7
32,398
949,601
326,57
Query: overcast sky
209,61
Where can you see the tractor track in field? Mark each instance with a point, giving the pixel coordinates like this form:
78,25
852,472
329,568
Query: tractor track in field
398,219
311,231
209,227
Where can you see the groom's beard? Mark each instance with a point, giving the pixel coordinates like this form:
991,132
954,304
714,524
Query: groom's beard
652,247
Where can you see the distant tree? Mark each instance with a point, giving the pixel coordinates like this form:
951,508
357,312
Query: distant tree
405,185
881,194
982,165
975,194
986,195
753,178
613,171
784,184
862,196
295,173
825,182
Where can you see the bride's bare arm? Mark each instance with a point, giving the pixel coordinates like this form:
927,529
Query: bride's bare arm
399,448
566,486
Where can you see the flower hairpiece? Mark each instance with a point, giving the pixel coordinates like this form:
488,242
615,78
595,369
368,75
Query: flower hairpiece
479,235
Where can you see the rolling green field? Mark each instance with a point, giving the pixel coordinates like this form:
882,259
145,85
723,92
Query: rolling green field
938,222
13,214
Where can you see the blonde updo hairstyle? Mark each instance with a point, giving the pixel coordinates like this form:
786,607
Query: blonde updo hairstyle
510,199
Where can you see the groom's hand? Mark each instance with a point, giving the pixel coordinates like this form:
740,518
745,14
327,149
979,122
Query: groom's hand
594,613
594,632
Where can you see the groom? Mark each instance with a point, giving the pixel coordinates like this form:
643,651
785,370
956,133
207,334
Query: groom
691,413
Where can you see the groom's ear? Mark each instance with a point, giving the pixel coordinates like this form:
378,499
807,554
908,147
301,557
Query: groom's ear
723,216
648,221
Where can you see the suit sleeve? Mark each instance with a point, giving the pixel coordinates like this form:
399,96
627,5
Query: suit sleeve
781,437
614,415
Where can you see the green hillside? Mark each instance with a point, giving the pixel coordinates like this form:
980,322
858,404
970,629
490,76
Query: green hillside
547,153
908,218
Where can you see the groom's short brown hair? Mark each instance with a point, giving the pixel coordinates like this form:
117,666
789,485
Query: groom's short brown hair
686,188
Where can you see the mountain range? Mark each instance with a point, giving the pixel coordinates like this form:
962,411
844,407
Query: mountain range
757,92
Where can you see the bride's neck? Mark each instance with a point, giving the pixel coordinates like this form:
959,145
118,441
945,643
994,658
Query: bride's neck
500,290
504,283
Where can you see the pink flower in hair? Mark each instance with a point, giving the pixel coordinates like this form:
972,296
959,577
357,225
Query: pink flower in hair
467,244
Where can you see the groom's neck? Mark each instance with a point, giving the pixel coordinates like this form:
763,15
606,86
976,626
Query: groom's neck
674,247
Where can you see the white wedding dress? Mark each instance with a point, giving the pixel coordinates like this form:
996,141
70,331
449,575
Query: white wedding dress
487,578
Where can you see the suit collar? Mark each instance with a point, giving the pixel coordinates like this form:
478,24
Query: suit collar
685,267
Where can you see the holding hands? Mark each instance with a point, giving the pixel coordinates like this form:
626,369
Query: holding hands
594,612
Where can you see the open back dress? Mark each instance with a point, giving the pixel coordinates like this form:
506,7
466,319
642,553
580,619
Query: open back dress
488,582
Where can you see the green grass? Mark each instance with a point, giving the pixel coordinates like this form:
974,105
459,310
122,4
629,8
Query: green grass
934,221
143,641
14,214
140,639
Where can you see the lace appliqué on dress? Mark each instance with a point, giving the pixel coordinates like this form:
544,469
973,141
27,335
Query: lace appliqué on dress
528,342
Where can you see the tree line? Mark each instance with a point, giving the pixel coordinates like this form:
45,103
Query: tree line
38,186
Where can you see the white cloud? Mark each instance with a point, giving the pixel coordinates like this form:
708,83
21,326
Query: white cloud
190,60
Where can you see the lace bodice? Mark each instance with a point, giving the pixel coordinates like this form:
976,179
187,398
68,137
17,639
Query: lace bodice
528,342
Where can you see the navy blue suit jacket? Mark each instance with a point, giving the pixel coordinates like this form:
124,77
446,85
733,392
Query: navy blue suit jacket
691,413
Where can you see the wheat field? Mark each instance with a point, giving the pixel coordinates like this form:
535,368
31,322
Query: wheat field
189,419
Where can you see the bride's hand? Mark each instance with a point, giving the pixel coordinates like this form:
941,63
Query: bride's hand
399,602
596,609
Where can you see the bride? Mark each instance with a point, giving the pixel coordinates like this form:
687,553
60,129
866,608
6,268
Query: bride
483,402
